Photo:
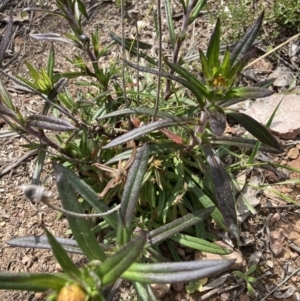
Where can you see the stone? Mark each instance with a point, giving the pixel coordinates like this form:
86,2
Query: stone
275,218
293,153
271,177
295,164
239,262
286,123
178,287
160,290
244,297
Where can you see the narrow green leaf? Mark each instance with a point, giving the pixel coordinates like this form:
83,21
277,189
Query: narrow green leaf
32,282
199,244
50,65
205,201
113,267
81,8
242,142
213,50
80,228
189,77
243,93
223,189
6,37
243,46
196,10
144,291
256,129
178,225
41,242
132,48
204,63
130,195
89,195
171,272
225,66
180,80
62,257
153,126
49,123
169,15
217,120
138,110
5,98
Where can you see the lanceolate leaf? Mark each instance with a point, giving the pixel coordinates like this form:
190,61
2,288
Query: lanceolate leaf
131,194
112,268
199,244
196,10
193,88
223,189
189,77
80,228
256,129
49,123
32,282
243,93
176,271
169,15
6,37
217,121
41,242
154,126
213,50
62,257
178,225
89,195
241,142
246,42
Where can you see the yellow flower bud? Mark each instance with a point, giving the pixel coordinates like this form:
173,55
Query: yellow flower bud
71,292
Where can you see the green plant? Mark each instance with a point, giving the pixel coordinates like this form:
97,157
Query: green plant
94,281
248,278
167,189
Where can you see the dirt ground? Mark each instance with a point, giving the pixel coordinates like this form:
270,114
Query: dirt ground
273,231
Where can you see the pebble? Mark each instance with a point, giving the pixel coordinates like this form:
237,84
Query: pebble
225,297
293,153
271,177
294,255
239,262
275,218
160,290
178,287
244,297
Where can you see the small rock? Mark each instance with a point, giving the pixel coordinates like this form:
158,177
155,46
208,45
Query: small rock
225,297
298,146
276,247
244,297
178,297
286,123
271,177
283,162
294,255
295,164
275,218
239,263
178,287
286,190
287,255
293,153
160,290
276,240
180,252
